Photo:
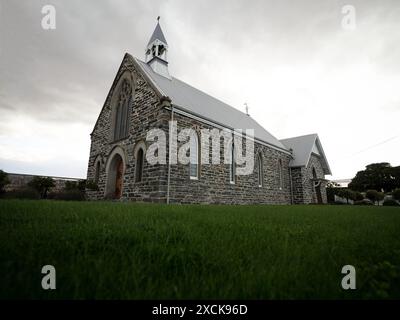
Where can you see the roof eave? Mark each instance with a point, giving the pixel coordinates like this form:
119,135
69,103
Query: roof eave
200,117
327,168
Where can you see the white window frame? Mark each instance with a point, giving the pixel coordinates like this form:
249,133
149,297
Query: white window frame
260,173
194,142
232,167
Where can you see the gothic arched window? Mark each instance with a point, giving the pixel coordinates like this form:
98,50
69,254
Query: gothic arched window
139,165
194,157
260,174
314,173
232,169
121,125
280,172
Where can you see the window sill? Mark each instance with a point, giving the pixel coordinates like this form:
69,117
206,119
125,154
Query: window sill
194,178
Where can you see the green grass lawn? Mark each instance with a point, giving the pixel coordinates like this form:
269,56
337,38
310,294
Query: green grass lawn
140,251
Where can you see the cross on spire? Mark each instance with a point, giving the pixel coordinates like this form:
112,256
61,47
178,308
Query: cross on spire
247,108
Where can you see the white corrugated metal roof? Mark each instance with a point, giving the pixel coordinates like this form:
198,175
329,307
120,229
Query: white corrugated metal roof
203,105
302,148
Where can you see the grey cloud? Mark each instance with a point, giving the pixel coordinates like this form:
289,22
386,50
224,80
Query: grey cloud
41,71
63,76
44,71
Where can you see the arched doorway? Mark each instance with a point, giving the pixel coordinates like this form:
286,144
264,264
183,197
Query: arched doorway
115,176
317,186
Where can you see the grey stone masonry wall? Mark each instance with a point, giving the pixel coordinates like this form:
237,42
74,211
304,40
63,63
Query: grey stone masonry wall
214,186
145,114
309,192
303,189
148,111
297,185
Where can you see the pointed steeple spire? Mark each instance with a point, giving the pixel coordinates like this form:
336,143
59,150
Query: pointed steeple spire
156,52
157,34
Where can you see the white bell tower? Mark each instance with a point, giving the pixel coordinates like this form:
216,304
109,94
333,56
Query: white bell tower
156,52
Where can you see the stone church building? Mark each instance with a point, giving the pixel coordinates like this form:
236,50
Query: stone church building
144,96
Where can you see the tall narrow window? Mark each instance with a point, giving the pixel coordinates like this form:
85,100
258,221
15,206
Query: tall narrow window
97,172
139,165
314,173
194,157
122,111
280,172
260,170
232,165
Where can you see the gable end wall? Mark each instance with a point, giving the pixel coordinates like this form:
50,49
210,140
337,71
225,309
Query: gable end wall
145,113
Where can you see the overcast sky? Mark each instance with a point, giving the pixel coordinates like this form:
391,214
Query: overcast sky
294,64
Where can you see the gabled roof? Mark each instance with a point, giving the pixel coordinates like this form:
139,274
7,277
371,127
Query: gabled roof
198,103
303,147
158,34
